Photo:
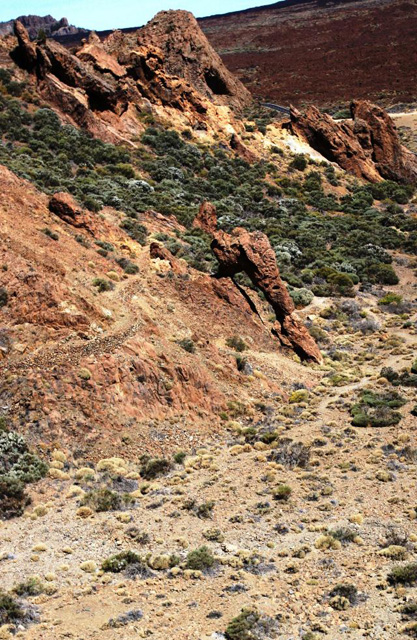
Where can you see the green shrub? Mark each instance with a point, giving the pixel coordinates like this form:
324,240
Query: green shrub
403,574
377,410
390,298
237,343
128,266
381,273
120,561
179,457
51,234
105,500
4,297
301,297
18,467
187,344
240,627
200,559
31,587
10,609
299,162
151,468
282,493
103,285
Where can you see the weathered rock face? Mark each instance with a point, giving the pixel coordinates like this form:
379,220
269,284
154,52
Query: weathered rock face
368,146
104,85
336,141
66,208
188,54
376,130
252,254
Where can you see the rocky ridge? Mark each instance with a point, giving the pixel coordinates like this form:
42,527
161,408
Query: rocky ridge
106,85
48,24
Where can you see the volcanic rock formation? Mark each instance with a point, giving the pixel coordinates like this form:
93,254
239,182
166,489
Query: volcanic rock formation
168,63
368,146
48,24
251,253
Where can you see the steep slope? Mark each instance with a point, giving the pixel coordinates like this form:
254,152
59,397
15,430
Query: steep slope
310,51
79,364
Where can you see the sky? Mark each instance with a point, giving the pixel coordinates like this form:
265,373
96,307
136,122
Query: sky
111,14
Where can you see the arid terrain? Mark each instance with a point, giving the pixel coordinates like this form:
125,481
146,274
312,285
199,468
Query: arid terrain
208,362
356,49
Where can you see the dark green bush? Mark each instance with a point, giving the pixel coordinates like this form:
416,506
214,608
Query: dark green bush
4,297
30,587
151,468
10,609
377,410
103,285
120,561
282,493
299,162
187,344
179,457
237,343
200,559
18,467
105,500
403,574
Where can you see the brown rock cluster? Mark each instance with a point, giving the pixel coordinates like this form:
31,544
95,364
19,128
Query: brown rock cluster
251,253
169,63
368,146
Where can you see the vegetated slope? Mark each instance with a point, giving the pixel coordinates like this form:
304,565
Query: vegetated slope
322,52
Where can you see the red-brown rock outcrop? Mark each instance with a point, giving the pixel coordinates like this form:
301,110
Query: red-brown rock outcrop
368,146
167,63
251,253
65,207
157,251
392,160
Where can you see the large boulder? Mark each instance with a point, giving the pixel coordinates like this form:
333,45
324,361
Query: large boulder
336,141
368,146
392,160
251,253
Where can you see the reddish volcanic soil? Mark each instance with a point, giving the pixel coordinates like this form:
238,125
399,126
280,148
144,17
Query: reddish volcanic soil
304,51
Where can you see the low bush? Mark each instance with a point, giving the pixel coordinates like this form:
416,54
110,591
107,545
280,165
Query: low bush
237,343
403,574
377,410
10,610
105,500
282,493
18,468
103,285
31,587
290,454
200,559
4,297
120,561
151,468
